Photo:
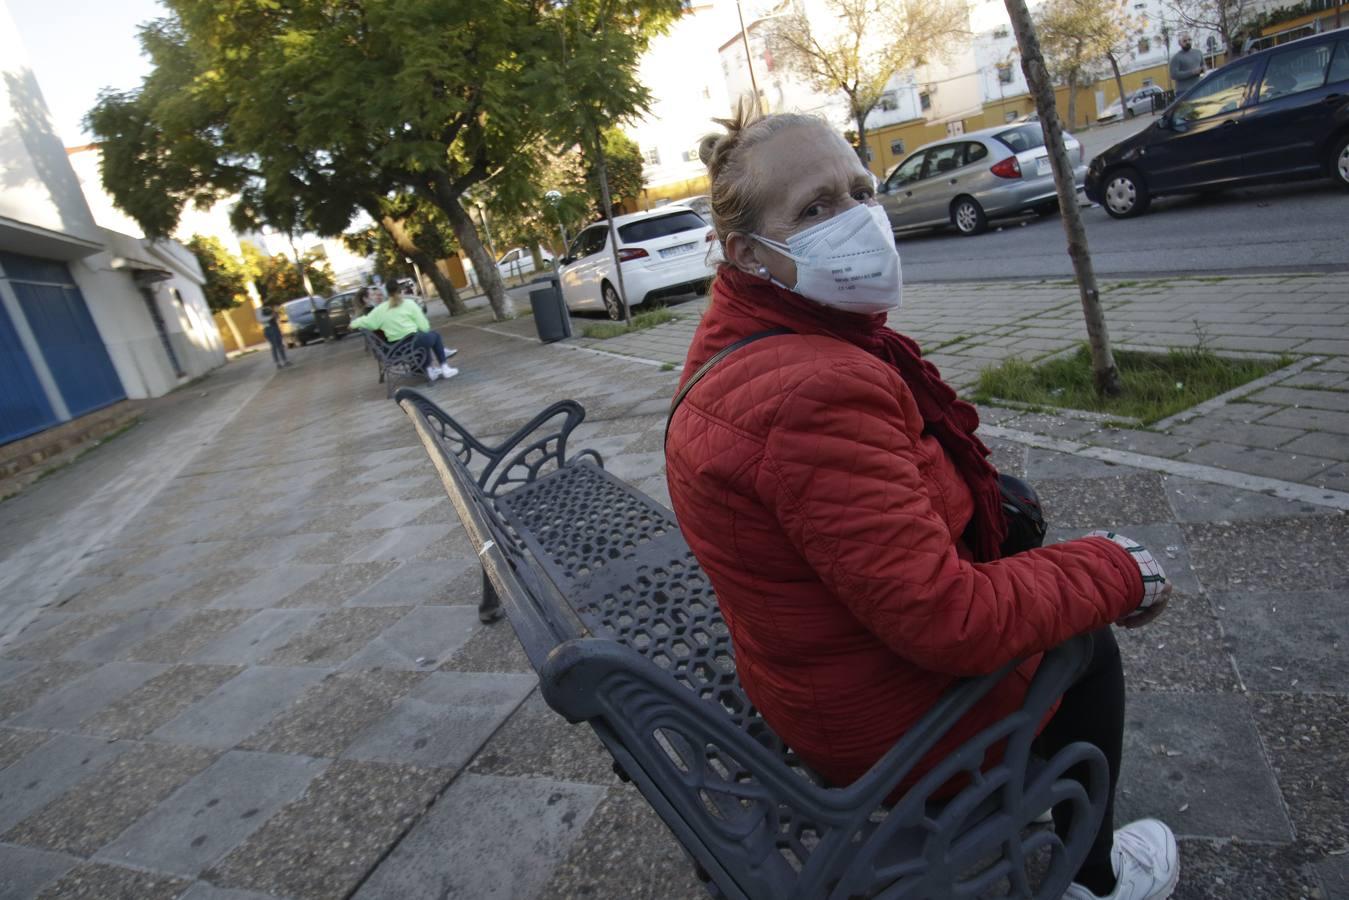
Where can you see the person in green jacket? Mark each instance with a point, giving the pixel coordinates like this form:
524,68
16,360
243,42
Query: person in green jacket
400,319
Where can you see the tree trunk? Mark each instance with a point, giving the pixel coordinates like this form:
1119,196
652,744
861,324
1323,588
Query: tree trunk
861,119
483,264
1124,112
1072,100
602,170
535,255
423,260
1105,374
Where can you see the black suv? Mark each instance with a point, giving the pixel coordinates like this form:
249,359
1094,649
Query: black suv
1278,115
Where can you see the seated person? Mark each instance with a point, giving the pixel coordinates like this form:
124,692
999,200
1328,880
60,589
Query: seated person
833,489
398,319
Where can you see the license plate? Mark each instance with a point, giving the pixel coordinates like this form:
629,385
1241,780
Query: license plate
1042,166
678,250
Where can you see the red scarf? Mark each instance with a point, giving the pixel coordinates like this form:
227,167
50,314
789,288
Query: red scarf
743,305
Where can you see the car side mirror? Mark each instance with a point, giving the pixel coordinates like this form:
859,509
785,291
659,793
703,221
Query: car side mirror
567,260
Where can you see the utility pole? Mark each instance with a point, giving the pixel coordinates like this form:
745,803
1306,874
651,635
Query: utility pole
603,171
749,59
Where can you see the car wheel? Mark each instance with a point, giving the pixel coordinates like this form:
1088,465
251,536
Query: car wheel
612,304
968,216
1339,162
1125,195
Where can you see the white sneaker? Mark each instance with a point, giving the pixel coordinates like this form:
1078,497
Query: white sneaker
450,351
448,371
1147,864
433,372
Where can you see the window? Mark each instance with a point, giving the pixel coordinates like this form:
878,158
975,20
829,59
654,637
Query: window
889,101
925,101
1009,116
660,226
908,171
943,159
897,147
589,241
974,151
955,128
651,157
1339,69
1144,45
1293,71
1005,73
1022,137
1147,83
1222,92
1001,31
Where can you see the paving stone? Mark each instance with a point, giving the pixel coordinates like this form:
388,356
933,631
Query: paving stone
324,843
1285,395
337,547
214,812
11,669
1279,464
492,649
625,851
1317,443
1222,870
282,551
24,872
202,890
1288,640
258,637
418,583
22,691
1271,554
265,590
1334,874
119,639
1202,501
457,850
65,708
186,557
1181,651
1048,464
1310,420
399,543
336,585
326,717
444,721
159,700
423,639
1201,750
395,514
239,707
1107,502
187,636
1252,434
336,636
107,882
47,772
107,802
103,590
211,586
16,743
74,631
537,742
1307,738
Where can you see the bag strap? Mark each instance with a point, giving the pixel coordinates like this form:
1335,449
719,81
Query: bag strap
707,367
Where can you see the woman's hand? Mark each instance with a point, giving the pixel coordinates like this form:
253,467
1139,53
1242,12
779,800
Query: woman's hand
1156,589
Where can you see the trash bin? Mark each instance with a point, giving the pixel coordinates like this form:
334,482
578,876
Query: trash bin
550,311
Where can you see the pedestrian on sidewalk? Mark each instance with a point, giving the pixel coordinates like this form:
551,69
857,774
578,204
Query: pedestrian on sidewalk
832,487
271,329
1186,66
401,319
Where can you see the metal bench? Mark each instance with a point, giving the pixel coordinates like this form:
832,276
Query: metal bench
622,627
395,358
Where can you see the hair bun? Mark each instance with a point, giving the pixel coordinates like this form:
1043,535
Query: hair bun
707,148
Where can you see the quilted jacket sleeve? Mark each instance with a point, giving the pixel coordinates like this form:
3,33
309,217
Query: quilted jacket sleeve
844,477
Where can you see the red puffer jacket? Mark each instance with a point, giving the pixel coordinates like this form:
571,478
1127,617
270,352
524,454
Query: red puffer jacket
830,526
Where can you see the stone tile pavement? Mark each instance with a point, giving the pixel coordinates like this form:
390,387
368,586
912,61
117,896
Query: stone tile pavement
269,681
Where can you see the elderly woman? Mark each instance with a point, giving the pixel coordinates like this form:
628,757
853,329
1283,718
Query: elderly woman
832,486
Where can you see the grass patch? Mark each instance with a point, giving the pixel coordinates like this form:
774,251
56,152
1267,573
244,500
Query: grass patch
1156,385
649,319
667,367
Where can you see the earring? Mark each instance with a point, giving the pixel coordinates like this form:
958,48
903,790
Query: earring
763,271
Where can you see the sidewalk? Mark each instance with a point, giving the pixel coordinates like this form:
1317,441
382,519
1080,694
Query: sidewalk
270,681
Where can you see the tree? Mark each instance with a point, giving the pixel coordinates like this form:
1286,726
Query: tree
1229,18
623,165
870,41
1066,47
278,279
1104,372
226,278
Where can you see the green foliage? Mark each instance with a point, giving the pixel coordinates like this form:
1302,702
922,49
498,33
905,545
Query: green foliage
1156,385
278,279
374,242
648,319
226,277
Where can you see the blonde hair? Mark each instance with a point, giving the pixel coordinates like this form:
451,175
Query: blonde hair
737,201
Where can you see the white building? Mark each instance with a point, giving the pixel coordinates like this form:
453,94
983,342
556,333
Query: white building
88,316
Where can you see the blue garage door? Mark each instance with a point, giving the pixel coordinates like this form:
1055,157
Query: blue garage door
23,404
65,331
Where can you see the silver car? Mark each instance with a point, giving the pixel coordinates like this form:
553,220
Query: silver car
966,180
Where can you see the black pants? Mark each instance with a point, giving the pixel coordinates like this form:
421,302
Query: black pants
1092,710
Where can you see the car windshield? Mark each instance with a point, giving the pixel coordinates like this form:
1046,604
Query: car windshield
1022,137
659,227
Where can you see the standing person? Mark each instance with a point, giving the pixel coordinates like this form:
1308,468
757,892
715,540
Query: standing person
832,487
400,319
1186,66
271,329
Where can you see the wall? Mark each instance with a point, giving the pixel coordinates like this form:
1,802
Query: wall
244,318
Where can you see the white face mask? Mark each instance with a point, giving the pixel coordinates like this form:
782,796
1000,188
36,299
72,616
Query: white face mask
849,262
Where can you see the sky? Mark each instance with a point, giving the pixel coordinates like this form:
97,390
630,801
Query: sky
78,47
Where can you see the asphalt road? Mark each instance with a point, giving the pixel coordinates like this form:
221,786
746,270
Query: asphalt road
1289,228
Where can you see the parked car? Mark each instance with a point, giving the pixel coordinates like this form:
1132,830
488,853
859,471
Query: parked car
967,180
664,253
1141,102
701,204
342,308
518,261
297,321
1281,114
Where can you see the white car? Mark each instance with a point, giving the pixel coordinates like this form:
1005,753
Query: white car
519,261
664,253
1140,103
